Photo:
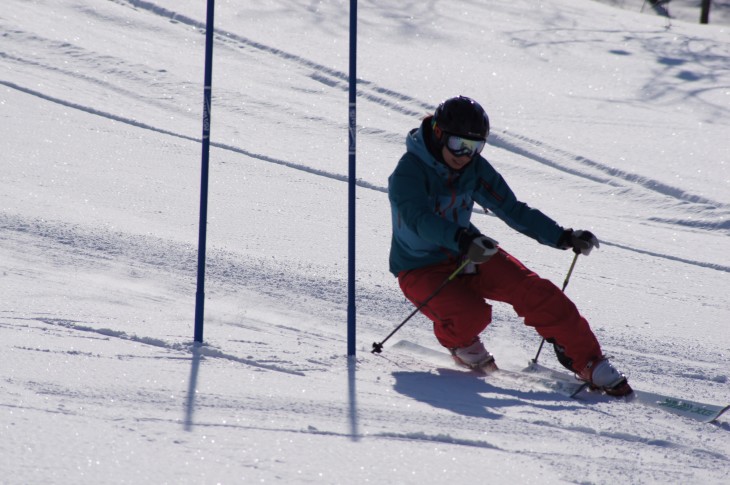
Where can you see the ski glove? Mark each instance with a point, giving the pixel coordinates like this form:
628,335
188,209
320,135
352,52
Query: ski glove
582,242
477,247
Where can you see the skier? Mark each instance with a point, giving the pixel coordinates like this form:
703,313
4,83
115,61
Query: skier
432,192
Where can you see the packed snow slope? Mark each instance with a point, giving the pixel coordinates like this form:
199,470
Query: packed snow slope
604,118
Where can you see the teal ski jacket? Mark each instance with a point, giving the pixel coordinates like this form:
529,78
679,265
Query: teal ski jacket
430,203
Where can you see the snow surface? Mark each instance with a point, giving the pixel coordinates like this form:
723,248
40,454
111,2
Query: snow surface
605,118
684,10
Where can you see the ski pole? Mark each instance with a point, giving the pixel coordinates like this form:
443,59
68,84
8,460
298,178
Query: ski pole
565,285
378,347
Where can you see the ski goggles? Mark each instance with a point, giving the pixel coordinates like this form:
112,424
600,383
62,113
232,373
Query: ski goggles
460,146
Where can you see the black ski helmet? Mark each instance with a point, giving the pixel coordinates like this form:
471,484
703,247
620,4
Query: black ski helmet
464,117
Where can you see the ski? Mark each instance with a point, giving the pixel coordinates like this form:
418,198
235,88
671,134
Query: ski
698,411
568,385
560,386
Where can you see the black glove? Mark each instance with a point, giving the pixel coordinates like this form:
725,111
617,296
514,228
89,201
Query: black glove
477,247
582,242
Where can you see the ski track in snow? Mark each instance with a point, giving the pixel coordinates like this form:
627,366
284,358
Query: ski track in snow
226,267
478,415
715,216
222,267
522,145
80,247
201,350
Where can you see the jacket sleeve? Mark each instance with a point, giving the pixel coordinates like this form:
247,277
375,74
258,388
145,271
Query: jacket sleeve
408,193
493,193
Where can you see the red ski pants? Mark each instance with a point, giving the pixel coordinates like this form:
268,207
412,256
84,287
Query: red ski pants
459,311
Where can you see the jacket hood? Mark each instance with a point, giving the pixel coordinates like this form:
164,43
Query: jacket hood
416,144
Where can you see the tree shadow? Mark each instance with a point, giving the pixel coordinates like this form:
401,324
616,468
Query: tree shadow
687,68
466,393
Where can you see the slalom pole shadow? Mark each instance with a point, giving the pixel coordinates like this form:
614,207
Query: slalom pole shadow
192,387
352,398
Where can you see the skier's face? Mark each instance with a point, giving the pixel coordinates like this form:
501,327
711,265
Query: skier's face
454,162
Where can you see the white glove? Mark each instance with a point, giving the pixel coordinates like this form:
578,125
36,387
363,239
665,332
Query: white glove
481,249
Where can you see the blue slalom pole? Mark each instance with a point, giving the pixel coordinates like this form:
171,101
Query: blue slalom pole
351,192
202,229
